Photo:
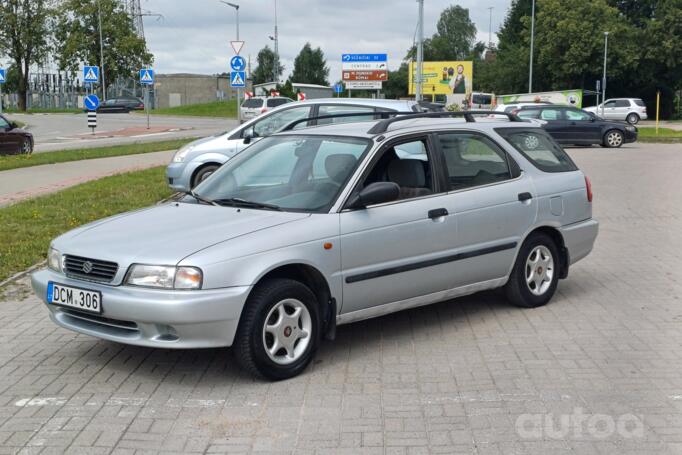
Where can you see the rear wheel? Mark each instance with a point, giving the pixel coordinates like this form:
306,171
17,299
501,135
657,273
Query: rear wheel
633,119
613,139
278,333
535,276
203,173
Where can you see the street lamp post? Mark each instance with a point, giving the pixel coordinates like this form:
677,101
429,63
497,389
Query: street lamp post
239,90
276,69
101,51
420,53
603,83
532,44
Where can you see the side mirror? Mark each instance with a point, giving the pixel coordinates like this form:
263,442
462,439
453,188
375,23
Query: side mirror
375,193
593,118
248,134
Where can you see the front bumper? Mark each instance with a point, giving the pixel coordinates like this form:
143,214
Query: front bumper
150,317
579,238
630,136
179,175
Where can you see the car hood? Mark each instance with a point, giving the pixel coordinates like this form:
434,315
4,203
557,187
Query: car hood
167,233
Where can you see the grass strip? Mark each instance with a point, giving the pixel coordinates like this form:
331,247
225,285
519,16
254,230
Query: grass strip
28,227
63,156
664,136
226,109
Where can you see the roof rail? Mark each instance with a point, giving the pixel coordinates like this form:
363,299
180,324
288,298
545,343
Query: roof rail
377,114
382,126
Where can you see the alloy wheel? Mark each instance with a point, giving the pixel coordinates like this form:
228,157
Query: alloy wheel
614,139
287,331
539,270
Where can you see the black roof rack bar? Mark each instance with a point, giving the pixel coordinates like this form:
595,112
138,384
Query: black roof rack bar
382,126
377,114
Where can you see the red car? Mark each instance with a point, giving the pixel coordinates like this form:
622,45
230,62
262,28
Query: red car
14,140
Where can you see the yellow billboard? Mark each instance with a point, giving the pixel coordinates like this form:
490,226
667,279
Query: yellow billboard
444,78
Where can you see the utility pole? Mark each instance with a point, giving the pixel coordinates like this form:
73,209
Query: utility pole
490,29
276,79
532,43
239,90
101,51
420,53
603,83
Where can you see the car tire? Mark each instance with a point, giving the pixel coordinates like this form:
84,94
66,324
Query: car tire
203,173
279,313
535,275
613,139
633,119
26,147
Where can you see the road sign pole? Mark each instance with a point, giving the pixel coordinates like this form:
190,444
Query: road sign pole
0,98
146,103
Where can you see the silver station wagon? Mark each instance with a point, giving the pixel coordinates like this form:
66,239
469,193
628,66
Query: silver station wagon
312,228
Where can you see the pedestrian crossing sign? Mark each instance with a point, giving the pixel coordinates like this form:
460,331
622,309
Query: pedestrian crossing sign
238,79
147,76
90,74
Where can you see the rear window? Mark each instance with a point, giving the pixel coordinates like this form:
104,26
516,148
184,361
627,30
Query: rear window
481,99
639,102
253,103
539,149
274,102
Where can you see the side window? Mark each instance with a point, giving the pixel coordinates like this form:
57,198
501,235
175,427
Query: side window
529,113
538,148
330,109
550,114
473,160
622,103
273,123
3,123
407,164
610,104
575,114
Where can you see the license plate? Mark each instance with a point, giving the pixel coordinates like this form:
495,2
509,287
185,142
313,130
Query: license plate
80,299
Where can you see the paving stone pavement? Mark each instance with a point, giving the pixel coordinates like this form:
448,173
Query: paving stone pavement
597,371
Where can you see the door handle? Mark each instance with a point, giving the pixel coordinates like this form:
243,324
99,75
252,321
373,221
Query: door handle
523,197
437,213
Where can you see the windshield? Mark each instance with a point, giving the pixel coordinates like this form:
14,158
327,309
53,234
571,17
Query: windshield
299,173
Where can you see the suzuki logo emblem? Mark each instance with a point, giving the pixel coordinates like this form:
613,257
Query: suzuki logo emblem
87,267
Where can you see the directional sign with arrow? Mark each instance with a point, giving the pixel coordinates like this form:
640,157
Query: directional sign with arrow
91,102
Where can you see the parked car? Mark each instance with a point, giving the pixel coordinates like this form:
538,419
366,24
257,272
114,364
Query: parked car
312,228
254,107
570,125
196,161
124,105
631,110
512,107
14,140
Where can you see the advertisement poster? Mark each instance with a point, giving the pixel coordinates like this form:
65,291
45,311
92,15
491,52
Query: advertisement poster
453,79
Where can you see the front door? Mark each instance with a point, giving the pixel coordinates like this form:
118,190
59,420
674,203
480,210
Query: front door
390,252
580,127
609,110
556,123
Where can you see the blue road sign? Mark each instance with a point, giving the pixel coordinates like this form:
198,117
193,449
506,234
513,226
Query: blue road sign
91,102
364,57
2,75
238,79
90,74
147,76
238,63
338,88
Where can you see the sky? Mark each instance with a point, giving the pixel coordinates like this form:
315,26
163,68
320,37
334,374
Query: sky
194,36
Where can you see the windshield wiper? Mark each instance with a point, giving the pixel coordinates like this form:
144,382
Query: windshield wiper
201,198
238,202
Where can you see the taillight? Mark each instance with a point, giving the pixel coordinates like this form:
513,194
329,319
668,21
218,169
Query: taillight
588,187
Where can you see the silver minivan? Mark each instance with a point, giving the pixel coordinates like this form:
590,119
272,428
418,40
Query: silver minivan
312,228
259,105
197,160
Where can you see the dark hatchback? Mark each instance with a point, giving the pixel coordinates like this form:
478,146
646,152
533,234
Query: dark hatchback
124,105
570,125
14,140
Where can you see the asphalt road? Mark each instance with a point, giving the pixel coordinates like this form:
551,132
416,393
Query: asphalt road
69,131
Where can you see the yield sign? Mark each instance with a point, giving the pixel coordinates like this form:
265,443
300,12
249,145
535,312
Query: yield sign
237,46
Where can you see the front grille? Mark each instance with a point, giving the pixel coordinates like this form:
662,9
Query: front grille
90,269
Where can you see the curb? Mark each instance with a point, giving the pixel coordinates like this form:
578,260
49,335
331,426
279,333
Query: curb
16,276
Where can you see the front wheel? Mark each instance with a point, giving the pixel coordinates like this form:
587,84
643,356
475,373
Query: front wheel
535,276
633,119
278,333
204,173
26,147
613,139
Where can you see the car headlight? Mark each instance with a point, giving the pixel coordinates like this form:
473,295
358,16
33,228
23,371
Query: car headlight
181,154
54,260
167,277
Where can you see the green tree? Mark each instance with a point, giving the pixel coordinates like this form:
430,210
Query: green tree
265,67
310,67
77,38
455,38
24,35
396,85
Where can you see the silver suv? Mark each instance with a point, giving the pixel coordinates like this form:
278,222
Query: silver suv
316,227
256,106
631,110
193,163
